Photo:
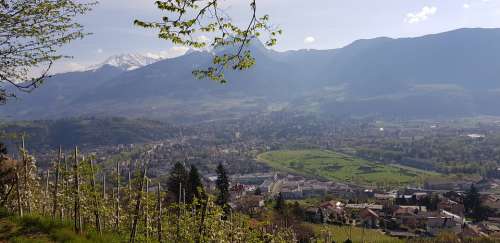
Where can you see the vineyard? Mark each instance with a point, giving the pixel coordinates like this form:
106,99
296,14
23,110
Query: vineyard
78,200
124,205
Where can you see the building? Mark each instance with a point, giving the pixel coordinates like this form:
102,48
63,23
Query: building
254,179
369,218
376,207
266,186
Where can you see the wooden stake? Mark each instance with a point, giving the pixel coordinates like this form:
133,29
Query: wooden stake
46,194
19,197
26,182
117,212
133,231
56,184
159,210
96,201
78,217
146,209
104,198
65,187
129,202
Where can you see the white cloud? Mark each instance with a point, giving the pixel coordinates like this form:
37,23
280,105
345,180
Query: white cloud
64,67
202,38
100,51
170,53
74,66
420,16
309,40
466,5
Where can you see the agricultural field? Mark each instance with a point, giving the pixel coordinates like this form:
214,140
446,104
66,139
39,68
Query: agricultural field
340,167
356,234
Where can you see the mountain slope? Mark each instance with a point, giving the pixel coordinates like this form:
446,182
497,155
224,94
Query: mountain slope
455,73
56,94
468,58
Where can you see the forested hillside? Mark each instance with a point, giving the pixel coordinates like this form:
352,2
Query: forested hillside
89,131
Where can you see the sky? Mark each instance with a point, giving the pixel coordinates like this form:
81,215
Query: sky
306,24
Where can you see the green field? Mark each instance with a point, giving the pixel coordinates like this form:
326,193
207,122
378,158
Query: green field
340,167
342,233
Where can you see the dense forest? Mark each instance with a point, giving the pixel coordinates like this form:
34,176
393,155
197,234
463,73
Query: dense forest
92,131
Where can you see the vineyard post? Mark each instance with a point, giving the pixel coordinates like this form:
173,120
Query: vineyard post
56,184
18,187
96,201
117,212
140,188
78,218
179,212
46,194
104,197
104,201
146,209
65,188
159,226
26,170
113,201
129,206
202,221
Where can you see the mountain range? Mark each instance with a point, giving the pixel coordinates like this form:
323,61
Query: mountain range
127,62
450,74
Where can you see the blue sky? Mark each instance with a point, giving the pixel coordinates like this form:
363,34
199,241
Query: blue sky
314,24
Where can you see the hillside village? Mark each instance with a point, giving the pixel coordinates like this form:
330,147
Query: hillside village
406,213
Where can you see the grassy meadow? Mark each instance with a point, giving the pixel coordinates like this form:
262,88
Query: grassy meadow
340,167
356,234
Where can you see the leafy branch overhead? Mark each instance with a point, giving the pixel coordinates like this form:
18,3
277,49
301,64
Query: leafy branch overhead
187,19
31,31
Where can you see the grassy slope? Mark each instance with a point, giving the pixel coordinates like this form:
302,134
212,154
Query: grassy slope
339,167
41,230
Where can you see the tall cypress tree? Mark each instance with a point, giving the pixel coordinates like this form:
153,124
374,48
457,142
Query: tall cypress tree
223,187
280,204
472,199
3,149
176,181
195,187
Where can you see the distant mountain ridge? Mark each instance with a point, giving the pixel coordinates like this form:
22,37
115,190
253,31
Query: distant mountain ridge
456,73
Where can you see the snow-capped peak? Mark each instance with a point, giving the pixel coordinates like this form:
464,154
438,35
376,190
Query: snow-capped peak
127,62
